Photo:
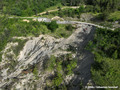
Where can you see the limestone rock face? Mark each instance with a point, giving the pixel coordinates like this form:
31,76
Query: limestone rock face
18,73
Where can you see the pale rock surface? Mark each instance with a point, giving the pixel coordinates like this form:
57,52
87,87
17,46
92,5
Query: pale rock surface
37,50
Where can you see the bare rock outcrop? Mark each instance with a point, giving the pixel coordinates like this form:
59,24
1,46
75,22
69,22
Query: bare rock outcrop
37,49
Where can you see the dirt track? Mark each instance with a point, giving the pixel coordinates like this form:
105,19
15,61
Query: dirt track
57,10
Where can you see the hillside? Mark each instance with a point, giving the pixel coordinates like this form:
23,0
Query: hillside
35,61
30,7
59,44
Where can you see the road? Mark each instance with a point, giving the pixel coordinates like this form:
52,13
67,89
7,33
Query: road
64,22
83,23
42,51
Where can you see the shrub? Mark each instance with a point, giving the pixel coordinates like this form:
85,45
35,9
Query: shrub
89,8
0,57
19,47
115,55
53,26
35,71
71,66
62,65
69,27
58,80
103,16
16,11
50,63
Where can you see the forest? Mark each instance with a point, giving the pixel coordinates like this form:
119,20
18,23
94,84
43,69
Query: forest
32,7
106,50
105,46
25,7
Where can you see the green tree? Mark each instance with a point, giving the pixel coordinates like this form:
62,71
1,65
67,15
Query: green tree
115,55
59,8
16,11
4,10
58,80
104,15
53,26
69,27
105,49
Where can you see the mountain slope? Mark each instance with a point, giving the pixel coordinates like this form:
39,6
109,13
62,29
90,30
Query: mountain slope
29,69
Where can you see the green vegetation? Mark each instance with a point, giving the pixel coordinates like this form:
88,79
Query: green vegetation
26,7
62,31
106,8
70,67
59,75
68,12
114,16
50,63
12,65
105,5
106,42
0,57
62,66
54,7
16,27
30,7
35,71
69,27
53,26
106,24
19,47
71,12
105,47
72,2
108,16
103,16
105,71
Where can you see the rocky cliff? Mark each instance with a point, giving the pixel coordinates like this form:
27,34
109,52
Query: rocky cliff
26,71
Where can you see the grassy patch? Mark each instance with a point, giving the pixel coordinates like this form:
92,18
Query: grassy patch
19,47
62,31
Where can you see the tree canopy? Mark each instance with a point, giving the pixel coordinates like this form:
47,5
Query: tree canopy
105,47
30,7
